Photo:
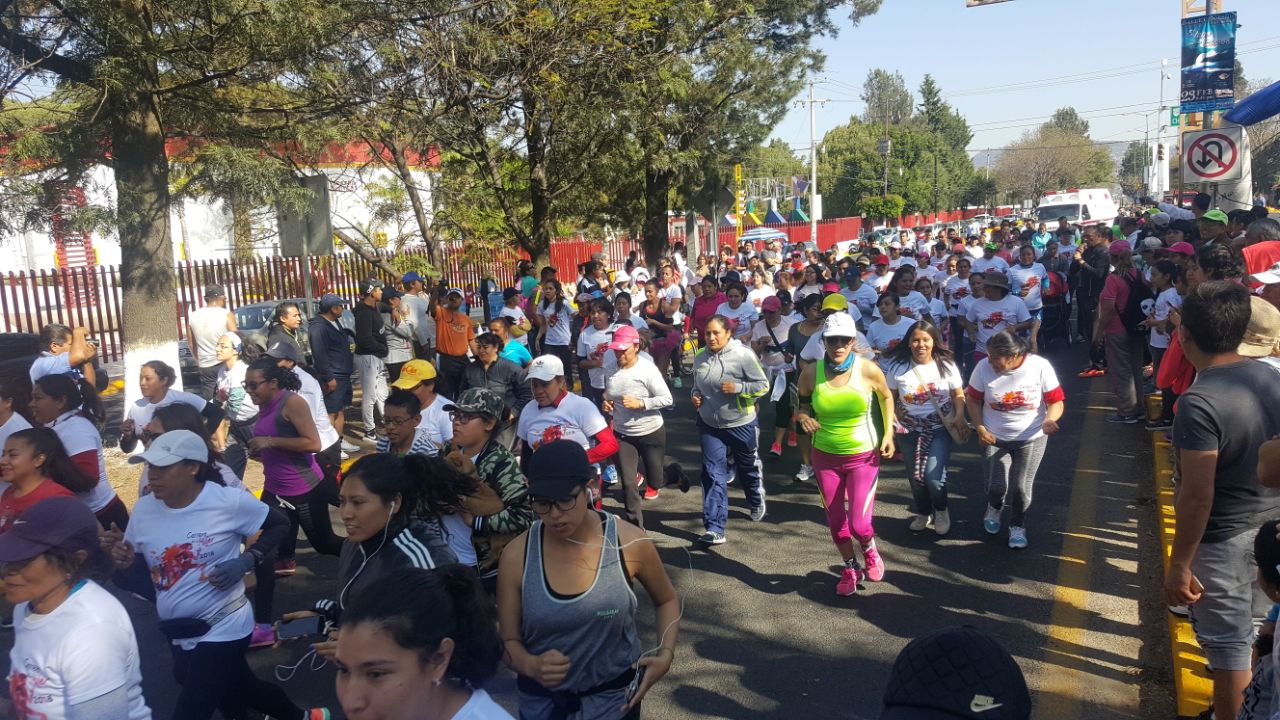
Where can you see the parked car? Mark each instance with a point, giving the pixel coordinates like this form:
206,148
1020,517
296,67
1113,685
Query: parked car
251,322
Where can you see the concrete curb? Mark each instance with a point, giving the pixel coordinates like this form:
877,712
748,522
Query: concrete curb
1192,685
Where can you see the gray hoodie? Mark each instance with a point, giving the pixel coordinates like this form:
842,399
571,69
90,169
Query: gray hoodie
735,363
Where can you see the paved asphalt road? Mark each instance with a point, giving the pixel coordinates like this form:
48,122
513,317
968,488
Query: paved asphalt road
764,635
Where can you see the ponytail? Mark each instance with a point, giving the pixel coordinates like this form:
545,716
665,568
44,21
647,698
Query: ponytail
441,488
74,395
271,370
418,609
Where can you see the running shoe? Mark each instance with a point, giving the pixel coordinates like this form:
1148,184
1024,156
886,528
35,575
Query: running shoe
775,450
285,568
711,538
1123,419
942,522
1180,610
918,523
263,635
1160,424
673,475
1017,537
639,478
1092,372
875,565
350,447
370,436
758,512
344,455
792,440
848,583
610,475
804,474
991,521
650,493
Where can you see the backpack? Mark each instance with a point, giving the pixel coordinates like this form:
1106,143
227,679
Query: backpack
1132,316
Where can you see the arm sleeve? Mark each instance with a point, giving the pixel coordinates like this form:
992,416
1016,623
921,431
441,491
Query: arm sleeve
659,393
274,528
606,445
249,515
1194,426
516,515
87,461
522,391
235,398
1175,212
582,350
755,382
404,329
213,416
364,330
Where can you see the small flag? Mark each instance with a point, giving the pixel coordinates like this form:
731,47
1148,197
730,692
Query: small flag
799,186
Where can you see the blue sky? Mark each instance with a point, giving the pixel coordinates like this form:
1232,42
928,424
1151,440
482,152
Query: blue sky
988,60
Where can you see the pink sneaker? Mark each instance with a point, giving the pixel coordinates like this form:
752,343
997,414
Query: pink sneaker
264,635
791,439
848,583
775,450
875,565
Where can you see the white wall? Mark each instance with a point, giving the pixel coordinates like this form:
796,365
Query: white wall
208,220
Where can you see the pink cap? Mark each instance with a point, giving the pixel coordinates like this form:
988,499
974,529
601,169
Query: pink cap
830,287
771,304
1182,248
1119,246
624,337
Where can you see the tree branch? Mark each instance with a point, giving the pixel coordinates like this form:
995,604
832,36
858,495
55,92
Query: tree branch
30,52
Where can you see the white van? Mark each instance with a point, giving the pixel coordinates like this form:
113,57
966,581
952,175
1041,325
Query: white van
1080,207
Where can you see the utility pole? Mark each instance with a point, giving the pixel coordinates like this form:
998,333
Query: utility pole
935,182
815,200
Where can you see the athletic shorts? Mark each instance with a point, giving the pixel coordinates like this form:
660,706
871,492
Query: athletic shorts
340,398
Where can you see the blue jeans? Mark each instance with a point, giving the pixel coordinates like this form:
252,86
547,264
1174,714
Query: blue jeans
724,449
927,471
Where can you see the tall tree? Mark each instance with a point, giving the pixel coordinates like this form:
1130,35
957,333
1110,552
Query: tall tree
1069,121
1133,168
887,98
1050,158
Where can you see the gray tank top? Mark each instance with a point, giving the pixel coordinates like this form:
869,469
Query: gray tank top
596,630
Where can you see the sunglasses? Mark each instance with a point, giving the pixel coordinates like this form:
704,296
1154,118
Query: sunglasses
837,341
252,385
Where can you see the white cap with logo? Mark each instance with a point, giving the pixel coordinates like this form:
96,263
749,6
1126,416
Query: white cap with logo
545,368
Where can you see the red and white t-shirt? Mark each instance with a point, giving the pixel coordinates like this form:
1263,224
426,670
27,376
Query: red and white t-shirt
84,444
573,418
992,316
1015,403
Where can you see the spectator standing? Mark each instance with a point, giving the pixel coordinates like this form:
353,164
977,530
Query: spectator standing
1092,263
286,326
370,354
333,351
14,403
500,376
401,331
1123,346
1222,419
64,351
415,303
455,337
208,324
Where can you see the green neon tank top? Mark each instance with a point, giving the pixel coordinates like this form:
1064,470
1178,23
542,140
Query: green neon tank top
844,414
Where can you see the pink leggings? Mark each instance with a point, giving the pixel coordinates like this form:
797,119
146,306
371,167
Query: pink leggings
857,476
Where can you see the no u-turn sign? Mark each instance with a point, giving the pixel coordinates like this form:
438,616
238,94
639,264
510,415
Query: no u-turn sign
1212,155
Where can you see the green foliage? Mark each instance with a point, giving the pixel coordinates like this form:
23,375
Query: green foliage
883,206
1050,158
1069,121
1133,167
887,98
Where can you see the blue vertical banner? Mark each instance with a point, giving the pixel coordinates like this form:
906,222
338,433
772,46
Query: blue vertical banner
1208,63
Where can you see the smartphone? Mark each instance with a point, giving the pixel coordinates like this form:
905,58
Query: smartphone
306,627
635,682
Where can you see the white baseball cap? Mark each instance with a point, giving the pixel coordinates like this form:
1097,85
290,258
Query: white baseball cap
839,324
1270,276
545,368
173,447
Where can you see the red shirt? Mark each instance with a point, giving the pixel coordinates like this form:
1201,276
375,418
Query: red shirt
12,507
1261,256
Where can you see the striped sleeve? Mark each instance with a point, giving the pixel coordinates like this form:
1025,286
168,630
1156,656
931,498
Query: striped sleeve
414,550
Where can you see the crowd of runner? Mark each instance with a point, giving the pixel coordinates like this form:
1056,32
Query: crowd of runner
475,527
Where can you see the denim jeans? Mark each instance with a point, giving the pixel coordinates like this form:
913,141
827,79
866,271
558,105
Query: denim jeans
726,450
927,468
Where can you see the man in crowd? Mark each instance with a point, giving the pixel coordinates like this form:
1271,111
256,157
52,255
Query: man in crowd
1213,228
455,335
64,351
331,351
417,300
1092,263
500,376
1222,419
208,325
371,353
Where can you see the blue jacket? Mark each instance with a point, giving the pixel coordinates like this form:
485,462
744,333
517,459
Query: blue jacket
330,350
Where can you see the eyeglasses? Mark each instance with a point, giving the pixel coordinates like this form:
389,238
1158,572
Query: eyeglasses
542,506
251,385
462,418
395,422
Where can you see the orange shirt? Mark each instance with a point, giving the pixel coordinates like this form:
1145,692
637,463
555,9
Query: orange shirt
454,331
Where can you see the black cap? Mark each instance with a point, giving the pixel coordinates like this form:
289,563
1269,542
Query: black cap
390,293
285,350
214,291
953,673
509,293
557,468
368,285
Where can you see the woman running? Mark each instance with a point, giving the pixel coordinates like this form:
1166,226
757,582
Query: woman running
930,395
566,608
180,416
155,381
57,403
835,396
593,343
1028,278
911,303
554,317
1014,401
666,335
74,651
705,306
889,330
768,341
810,309
431,640
286,440
36,467
727,381
236,431
635,394
186,542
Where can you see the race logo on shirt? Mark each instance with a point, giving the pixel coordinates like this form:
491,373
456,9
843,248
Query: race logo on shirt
550,434
24,696
1010,401
994,320
173,563
892,344
553,319
961,292
1029,284
920,395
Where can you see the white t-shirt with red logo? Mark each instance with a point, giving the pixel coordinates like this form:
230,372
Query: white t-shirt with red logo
992,316
82,650
1015,403
1027,282
920,393
955,290
573,418
884,337
181,545
594,343
80,437
740,319
559,324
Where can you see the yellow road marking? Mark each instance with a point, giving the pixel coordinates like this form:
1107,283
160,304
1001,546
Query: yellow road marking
1064,685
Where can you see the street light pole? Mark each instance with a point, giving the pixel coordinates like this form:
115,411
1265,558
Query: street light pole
813,168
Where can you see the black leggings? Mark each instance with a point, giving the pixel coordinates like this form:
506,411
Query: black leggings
215,676
651,450
310,512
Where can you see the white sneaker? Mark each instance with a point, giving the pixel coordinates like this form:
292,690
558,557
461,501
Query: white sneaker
805,473
942,522
1017,537
918,523
991,521
350,448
